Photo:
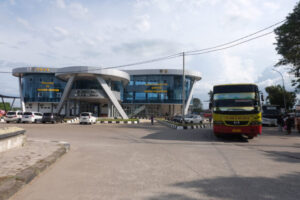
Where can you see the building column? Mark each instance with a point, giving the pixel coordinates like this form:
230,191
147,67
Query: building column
21,95
109,113
66,93
187,105
112,97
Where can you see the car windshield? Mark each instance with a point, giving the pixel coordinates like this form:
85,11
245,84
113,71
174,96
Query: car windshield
11,113
27,113
47,114
85,114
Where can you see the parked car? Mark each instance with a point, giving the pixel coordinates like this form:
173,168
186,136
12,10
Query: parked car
177,118
51,118
13,116
32,117
193,119
87,118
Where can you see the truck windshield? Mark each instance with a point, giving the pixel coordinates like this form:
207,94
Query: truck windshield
271,110
236,99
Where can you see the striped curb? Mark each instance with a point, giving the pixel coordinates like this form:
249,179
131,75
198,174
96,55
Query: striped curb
183,127
117,122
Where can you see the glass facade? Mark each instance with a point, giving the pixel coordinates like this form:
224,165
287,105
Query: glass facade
45,87
42,88
156,89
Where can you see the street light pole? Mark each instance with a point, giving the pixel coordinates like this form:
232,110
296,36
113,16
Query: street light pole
284,100
183,86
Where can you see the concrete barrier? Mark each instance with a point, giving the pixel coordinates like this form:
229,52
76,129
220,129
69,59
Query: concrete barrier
11,137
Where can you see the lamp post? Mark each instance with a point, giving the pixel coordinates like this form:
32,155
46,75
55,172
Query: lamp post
183,86
284,101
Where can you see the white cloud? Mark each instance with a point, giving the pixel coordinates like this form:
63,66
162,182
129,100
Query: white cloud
60,3
236,69
242,9
143,23
61,31
12,2
273,6
77,10
24,22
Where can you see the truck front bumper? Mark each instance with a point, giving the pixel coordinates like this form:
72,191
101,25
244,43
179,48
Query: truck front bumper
253,130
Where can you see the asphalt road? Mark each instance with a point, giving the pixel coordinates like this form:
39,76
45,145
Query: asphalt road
155,162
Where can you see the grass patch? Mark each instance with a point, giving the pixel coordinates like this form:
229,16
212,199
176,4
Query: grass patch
118,120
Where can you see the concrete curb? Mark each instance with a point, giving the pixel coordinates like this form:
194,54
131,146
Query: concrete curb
182,127
12,184
117,122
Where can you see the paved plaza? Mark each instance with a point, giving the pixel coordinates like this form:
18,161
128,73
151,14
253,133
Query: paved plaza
147,162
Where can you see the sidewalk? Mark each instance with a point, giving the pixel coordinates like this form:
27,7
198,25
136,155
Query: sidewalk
20,165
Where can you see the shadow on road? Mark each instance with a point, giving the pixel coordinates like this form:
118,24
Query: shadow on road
284,156
239,188
198,135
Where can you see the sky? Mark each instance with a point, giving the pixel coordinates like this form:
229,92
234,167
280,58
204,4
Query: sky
105,33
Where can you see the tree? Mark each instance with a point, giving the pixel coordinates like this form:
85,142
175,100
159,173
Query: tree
197,106
275,96
7,106
288,44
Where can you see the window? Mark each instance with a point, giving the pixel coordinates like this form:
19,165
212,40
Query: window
140,82
58,94
140,96
40,94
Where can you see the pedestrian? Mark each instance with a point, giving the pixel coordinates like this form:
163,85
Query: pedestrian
210,120
280,123
289,124
152,119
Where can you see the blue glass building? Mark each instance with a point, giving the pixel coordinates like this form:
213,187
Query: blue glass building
111,93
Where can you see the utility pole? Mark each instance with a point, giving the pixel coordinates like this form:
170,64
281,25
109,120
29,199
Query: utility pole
183,86
284,100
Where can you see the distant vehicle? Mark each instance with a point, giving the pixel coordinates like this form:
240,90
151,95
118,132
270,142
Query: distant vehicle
193,119
177,118
270,113
87,118
13,116
51,118
236,110
32,117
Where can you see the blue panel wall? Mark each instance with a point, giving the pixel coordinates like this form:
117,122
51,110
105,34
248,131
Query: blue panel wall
42,88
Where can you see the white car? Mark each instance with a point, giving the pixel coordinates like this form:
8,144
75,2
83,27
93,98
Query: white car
13,116
193,119
32,117
87,118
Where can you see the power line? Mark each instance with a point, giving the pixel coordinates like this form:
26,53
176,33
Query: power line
236,40
219,49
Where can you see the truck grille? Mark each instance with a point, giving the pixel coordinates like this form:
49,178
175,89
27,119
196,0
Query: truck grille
237,123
